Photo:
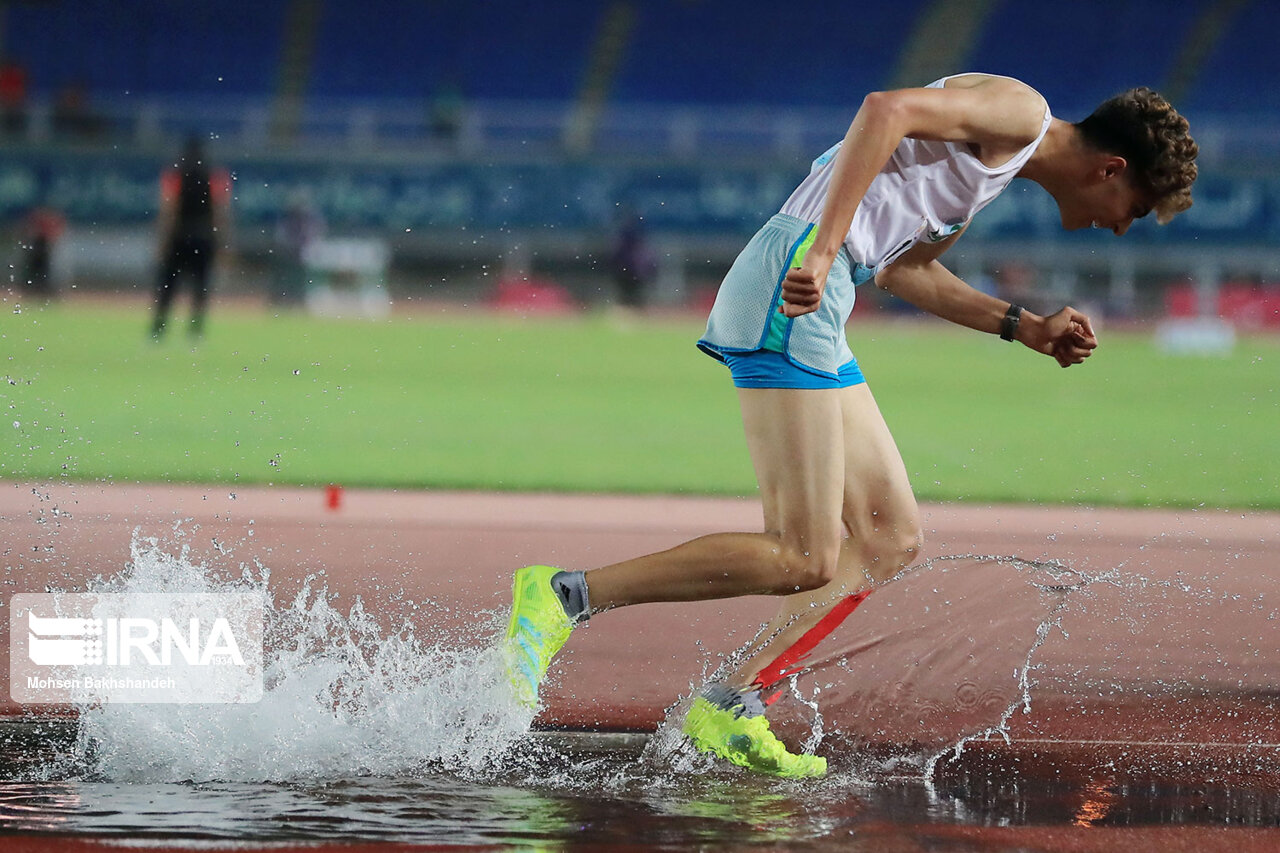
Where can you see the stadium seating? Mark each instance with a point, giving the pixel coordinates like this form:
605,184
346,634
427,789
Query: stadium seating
147,47
688,52
1128,44
1239,77
805,53
497,49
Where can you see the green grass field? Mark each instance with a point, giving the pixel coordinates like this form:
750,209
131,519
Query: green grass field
469,400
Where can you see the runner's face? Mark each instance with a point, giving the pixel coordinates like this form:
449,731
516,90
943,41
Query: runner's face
1108,200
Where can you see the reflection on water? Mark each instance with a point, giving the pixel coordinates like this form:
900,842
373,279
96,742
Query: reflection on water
1098,798
610,799
619,798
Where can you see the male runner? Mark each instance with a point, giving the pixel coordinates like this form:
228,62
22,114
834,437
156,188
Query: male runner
914,168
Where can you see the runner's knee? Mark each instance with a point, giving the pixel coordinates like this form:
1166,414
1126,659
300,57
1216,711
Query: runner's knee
890,549
806,569
910,542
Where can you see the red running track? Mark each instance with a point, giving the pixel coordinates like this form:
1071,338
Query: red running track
1191,668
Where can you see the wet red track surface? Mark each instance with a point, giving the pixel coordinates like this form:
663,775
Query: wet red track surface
887,838
459,549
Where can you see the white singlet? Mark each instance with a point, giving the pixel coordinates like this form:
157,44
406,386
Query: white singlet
928,190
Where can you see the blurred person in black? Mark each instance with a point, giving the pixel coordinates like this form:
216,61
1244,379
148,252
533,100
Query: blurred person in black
632,262
41,229
193,227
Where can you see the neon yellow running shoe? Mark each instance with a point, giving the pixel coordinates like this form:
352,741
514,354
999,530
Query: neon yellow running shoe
537,630
747,742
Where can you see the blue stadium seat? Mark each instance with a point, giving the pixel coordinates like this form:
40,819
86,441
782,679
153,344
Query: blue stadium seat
1240,76
685,52
497,49
802,53
1078,54
146,47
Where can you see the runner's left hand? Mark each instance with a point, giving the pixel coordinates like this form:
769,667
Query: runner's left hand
1067,336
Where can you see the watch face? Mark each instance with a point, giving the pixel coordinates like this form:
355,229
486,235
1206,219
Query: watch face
1010,323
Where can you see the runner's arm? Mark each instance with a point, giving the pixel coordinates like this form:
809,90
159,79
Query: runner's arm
921,279
993,111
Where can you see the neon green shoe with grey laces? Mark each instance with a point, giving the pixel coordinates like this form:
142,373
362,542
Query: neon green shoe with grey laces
747,742
538,629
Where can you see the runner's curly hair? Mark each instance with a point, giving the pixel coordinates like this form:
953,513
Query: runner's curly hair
1142,127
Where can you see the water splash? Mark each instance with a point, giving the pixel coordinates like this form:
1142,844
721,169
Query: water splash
941,655
344,696
955,651
1057,583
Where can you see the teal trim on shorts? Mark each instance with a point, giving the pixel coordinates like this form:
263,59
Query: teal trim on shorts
745,317
779,328
766,369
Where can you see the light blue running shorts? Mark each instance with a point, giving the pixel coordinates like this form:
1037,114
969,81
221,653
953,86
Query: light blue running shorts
745,318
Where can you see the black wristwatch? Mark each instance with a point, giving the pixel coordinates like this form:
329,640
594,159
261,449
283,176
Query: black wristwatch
1009,325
